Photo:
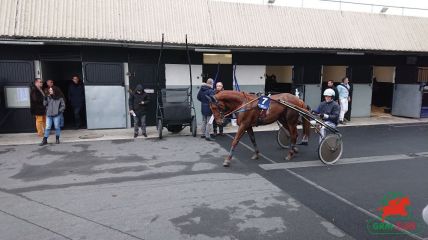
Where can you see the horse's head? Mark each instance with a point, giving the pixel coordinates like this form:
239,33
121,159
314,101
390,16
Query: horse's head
218,108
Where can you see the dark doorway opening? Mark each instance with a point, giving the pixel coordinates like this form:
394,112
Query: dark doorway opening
62,72
383,89
224,74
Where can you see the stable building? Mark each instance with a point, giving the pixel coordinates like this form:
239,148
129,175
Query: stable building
114,45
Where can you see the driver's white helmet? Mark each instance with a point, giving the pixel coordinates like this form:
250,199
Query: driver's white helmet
329,92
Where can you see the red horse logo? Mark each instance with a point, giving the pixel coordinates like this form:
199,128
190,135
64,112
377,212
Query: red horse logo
395,207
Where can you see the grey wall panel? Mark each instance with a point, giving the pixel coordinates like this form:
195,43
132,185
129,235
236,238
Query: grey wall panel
105,107
407,100
361,100
312,95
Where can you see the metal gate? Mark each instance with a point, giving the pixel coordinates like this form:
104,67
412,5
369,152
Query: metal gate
407,101
105,95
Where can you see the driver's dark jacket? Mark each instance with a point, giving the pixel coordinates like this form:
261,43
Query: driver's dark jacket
332,109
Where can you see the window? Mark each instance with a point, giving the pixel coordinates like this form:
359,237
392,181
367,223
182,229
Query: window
214,58
17,97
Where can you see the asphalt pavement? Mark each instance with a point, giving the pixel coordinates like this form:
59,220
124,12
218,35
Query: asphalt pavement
176,188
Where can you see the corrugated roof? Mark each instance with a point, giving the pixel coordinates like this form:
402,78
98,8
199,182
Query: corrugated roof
210,23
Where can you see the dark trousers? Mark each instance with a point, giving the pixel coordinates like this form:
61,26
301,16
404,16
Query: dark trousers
140,120
76,112
220,127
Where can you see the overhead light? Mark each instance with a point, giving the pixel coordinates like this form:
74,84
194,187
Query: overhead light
350,53
271,1
13,42
212,50
384,9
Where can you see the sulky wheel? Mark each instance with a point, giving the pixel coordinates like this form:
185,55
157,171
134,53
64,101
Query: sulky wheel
159,127
283,137
330,149
193,126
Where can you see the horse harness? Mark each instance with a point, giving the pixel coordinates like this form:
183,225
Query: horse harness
262,112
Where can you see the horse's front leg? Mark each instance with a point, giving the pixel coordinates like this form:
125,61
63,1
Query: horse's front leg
253,141
292,150
238,135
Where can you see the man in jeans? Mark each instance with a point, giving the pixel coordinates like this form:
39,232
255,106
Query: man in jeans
206,90
138,101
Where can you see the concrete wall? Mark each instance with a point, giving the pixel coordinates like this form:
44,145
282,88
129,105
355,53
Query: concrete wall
177,76
251,78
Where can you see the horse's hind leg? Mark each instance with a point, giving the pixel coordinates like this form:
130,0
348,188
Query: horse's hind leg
253,141
235,142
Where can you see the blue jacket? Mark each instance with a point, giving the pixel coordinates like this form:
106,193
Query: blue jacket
205,90
332,109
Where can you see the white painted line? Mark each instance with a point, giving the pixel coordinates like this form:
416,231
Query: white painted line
252,149
349,203
410,125
290,165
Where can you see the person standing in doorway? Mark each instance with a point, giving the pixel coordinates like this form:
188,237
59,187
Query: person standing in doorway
218,88
205,91
330,84
76,97
138,101
37,108
50,84
55,106
344,98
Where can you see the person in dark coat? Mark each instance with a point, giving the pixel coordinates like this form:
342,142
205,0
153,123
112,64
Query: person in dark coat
37,108
76,97
330,84
206,90
329,111
55,106
138,102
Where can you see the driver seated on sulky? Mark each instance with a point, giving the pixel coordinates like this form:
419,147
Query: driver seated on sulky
329,111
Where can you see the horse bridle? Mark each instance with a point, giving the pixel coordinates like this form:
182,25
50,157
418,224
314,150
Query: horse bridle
238,109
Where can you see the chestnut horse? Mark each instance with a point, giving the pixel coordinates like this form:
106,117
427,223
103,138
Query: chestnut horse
250,115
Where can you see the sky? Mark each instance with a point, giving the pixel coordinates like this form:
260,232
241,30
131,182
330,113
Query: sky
395,7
